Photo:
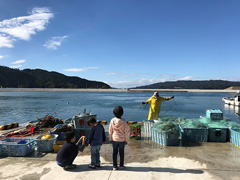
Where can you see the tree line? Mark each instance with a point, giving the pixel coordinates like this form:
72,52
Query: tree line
38,78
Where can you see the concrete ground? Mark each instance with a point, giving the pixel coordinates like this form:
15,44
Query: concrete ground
144,159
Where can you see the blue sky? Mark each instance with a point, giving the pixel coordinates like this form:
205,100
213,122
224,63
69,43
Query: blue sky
125,43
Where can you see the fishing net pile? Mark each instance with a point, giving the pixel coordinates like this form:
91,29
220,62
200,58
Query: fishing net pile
167,118
219,123
170,123
230,124
192,123
49,121
166,126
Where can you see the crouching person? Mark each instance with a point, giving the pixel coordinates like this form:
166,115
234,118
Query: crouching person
69,150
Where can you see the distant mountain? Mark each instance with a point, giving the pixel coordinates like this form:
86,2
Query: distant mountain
38,78
211,84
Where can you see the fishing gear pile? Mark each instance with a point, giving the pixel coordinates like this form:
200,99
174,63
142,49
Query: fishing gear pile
167,118
63,128
48,121
192,123
167,126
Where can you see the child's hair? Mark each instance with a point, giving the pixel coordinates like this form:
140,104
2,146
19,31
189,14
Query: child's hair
118,111
91,120
69,135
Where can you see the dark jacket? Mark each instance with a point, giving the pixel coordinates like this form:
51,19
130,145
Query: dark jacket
97,135
65,151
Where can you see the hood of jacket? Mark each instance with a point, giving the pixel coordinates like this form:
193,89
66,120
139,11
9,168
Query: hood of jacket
118,123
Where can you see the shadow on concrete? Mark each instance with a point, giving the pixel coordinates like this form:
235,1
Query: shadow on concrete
161,169
81,168
33,154
190,144
36,154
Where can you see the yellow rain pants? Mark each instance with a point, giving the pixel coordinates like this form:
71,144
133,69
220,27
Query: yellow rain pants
155,106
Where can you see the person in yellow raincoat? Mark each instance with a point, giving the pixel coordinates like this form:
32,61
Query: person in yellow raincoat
155,106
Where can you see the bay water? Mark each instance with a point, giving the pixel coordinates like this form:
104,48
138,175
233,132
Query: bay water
23,107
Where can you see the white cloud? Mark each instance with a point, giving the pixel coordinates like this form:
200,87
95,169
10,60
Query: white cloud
80,69
163,78
145,81
168,76
1,57
21,28
129,84
123,75
186,78
54,42
109,74
17,66
74,69
6,41
19,61
230,78
91,68
133,83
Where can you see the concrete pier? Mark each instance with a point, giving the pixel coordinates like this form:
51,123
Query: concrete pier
144,160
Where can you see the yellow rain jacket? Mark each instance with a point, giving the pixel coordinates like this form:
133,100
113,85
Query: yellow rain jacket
155,106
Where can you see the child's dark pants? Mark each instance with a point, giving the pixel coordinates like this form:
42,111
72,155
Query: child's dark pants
118,147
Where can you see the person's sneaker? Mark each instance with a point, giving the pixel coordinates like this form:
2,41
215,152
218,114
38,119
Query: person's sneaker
114,168
72,166
121,167
98,165
92,166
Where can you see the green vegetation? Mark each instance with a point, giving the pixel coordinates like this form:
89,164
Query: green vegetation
38,78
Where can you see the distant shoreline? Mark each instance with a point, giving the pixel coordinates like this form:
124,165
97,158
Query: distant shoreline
114,90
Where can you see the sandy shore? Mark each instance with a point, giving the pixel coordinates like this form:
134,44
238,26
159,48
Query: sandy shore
113,90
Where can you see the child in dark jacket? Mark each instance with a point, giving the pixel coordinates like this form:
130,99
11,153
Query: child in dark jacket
97,137
69,151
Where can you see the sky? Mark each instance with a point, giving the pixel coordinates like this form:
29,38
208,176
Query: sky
124,43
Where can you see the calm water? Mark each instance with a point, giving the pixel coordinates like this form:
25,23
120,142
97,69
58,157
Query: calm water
24,106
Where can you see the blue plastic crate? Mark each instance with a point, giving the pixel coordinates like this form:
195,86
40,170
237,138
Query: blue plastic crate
165,138
214,114
147,125
217,134
193,134
46,145
10,146
235,137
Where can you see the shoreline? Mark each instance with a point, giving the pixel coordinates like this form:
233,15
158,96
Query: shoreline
116,90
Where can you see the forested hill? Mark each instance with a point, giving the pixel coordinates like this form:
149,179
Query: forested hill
39,78
211,84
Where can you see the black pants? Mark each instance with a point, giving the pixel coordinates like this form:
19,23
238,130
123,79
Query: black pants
118,147
69,159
